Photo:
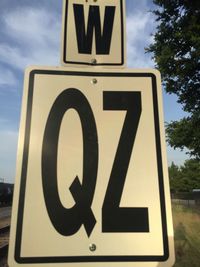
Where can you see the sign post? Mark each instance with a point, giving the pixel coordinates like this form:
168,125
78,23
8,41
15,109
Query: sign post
92,182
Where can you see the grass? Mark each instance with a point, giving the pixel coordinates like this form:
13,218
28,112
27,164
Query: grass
187,235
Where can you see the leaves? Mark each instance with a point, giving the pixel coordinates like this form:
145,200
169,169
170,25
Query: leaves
185,178
185,133
176,51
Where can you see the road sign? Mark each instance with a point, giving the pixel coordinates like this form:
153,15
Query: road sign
93,33
91,185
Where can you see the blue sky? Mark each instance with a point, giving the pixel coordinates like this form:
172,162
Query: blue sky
30,34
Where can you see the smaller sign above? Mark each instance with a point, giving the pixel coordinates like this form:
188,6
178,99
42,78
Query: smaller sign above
93,33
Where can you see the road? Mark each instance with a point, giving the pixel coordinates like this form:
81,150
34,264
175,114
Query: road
5,212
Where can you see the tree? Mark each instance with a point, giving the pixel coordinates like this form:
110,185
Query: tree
186,177
174,177
190,174
176,51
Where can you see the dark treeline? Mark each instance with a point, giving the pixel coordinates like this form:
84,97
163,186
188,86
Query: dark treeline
185,178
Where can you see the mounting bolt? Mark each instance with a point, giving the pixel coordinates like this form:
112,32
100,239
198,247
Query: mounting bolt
92,247
94,81
94,61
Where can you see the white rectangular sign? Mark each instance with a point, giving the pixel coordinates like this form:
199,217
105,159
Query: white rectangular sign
93,33
92,186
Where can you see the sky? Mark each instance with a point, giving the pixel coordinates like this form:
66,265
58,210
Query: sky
30,34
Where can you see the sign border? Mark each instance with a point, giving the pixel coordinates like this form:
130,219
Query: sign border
64,50
103,258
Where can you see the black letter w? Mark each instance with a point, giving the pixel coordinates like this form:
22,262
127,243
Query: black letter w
84,39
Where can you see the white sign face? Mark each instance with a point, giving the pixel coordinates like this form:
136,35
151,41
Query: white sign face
91,186
93,33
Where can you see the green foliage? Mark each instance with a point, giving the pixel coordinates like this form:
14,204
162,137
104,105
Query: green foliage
176,51
174,176
185,133
190,174
186,177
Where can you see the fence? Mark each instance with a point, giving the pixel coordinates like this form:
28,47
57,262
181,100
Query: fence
189,198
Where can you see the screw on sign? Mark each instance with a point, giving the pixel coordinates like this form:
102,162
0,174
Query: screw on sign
93,247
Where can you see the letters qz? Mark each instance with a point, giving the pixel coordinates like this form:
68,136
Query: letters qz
114,218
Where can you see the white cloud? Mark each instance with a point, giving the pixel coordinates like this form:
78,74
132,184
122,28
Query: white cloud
7,77
139,28
33,26
17,58
36,35
12,56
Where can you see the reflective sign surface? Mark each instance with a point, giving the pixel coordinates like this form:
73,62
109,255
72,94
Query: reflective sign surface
93,33
92,185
